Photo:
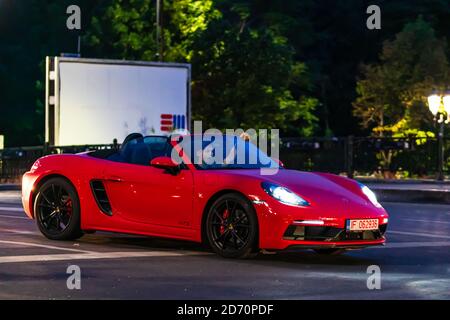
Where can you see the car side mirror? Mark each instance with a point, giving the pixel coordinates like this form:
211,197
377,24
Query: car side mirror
165,163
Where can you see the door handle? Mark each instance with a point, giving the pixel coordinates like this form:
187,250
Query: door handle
114,179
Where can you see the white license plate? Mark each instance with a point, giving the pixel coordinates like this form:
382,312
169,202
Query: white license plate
362,224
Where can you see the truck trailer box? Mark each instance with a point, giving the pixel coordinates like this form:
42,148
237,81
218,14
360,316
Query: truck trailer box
93,101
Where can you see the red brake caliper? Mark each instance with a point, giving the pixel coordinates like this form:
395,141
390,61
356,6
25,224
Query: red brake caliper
69,206
224,217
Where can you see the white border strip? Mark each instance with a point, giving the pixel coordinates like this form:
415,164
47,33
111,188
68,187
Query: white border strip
95,255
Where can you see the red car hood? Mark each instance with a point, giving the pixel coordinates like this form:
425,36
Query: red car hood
328,193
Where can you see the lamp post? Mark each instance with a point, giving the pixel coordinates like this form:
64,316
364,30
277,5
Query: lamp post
439,106
159,30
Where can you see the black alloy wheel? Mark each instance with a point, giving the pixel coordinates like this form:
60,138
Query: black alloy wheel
57,210
232,227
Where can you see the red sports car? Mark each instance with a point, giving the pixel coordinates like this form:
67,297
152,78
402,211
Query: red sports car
235,208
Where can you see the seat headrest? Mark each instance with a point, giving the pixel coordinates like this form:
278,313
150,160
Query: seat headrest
131,136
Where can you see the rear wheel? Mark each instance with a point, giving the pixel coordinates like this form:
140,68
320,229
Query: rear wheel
330,251
232,227
57,210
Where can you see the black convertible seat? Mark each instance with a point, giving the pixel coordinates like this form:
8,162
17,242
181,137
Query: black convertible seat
140,153
137,149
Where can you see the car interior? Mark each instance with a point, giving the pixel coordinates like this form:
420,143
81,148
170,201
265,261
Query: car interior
137,149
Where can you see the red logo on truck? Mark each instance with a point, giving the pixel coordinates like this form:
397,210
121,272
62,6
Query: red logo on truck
170,122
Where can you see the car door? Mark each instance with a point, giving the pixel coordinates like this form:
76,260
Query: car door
149,195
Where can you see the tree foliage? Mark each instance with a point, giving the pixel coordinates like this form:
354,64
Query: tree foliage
242,76
304,68
29,31
392,94
243,79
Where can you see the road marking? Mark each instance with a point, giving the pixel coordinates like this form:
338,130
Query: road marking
419,234
428,221
96,255
395,245
13,217
14,209
17,231
32,244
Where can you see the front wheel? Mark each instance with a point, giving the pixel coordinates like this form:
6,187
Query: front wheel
232,227
57,210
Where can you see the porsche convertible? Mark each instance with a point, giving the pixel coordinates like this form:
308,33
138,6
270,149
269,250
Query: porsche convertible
141,189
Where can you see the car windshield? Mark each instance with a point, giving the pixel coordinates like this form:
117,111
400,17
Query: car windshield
225,152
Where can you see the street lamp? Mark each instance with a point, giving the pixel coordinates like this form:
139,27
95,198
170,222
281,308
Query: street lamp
446,100
434,102
159,30
439,106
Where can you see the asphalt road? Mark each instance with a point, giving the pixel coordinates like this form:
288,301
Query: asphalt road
415,264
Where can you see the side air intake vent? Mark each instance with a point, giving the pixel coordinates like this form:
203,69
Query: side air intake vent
99,191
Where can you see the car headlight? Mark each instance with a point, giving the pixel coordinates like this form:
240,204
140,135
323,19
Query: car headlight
370,195
284,195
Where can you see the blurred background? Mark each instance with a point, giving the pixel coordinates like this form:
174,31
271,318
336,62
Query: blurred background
345,98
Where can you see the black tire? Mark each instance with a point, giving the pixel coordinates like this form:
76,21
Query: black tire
233,234
330,251
57,210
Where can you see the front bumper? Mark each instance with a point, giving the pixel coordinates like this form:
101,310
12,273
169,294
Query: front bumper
348,246
279,230
332,234
28,182
332,237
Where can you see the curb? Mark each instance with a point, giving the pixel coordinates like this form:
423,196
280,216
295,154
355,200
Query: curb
402,181
412,196
383,194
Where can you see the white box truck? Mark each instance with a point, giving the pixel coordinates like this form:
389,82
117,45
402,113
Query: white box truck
93,101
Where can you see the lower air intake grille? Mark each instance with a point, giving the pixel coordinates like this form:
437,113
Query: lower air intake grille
99,191
313,233
383,228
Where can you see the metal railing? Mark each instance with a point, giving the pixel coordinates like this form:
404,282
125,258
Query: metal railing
14,162
385,157
362,156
